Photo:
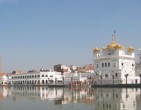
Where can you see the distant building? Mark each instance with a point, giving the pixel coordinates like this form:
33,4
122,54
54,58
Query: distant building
86,69
79,69
16,72
73,68
62,68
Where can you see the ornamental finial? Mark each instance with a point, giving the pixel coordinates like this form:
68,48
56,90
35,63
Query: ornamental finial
114,36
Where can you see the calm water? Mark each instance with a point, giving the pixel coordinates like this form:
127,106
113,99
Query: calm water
44,98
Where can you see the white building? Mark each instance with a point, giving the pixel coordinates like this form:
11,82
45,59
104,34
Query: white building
3,79
36,78
77,77
113,65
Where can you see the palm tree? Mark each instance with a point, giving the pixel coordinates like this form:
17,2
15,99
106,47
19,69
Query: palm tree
126,75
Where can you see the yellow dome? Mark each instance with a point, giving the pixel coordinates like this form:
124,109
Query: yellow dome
96,50
114,45
130,49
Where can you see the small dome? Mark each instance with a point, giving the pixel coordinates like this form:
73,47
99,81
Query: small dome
130,49
96,50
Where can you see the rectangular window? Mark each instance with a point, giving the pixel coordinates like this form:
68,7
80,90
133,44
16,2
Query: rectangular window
121,64
102,64
116,75
108,64
43,81
105,64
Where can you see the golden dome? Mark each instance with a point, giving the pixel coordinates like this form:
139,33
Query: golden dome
96,50
130,49
115,46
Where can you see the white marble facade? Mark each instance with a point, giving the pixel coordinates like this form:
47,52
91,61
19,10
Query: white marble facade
114,64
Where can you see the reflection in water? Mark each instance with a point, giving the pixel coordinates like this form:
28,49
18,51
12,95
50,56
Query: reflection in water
101,98
117,99
58,95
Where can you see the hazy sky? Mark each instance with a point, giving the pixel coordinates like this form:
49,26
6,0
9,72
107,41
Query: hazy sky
40,33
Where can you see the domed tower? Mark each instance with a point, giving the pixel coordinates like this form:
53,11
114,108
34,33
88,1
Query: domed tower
114,63
96,52
130,51
113,48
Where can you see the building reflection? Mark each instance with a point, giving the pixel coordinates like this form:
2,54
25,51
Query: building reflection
117,98
58,95
101,98
3,92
